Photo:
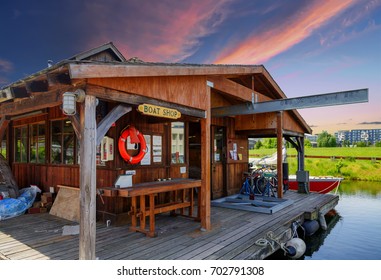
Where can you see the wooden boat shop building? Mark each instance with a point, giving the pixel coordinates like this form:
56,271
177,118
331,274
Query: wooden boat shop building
85,121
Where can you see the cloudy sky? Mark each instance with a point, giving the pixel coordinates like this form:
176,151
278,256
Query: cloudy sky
308,46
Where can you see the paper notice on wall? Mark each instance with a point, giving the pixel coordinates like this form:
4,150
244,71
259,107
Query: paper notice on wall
233,155
147,157
157,148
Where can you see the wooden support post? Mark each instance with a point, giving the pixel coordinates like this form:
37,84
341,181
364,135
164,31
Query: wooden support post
204,206
279,134
300,141
87,231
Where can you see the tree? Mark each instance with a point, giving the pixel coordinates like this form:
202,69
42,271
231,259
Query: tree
307,143
361,144
346,143
326,140
332,142
270,143
258,145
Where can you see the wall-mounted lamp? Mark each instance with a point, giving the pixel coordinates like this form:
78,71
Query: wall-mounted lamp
69,106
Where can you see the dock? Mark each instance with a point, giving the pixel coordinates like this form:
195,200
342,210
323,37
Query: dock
234,234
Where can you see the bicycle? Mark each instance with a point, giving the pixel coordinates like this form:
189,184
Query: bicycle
265,181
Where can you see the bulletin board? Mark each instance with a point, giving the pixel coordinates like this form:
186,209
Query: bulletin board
237,150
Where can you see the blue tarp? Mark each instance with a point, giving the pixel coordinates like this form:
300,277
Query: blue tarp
12,207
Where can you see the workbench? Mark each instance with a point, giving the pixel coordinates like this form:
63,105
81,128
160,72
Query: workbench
182,198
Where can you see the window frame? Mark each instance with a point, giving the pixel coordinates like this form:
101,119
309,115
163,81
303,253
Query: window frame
62,135
183,145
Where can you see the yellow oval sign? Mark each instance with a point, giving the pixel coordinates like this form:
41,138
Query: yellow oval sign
158,111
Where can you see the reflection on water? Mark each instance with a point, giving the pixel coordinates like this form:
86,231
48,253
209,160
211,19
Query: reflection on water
314,242
354,228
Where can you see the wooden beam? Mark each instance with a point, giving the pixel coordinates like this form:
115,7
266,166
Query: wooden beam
37,102
20,92
6,94
292,133
105,124
88,170
83,71
4,121
279,129
133,99
204,208
312,101
75,122
58,78
37,86
233,89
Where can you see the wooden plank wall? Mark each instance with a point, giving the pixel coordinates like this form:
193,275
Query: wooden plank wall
47,175
266,121
172,89
50,175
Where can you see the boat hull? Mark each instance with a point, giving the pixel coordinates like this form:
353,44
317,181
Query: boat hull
317,184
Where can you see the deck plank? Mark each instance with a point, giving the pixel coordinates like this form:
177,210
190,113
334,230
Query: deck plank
233,234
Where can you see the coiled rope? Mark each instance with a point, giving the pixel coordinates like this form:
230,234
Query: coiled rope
271,241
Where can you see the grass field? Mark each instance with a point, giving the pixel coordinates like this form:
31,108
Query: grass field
350,168
337,152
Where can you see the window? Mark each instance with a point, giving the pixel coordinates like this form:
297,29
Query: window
3,146
63,142
37,143
29,143
178,143
21,143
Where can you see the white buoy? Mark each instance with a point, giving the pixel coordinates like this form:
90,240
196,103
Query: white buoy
295,248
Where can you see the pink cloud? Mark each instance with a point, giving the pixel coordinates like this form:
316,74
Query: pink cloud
5,66
157,30
258,48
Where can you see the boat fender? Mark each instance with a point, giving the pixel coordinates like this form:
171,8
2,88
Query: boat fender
322,221
310,227
295,248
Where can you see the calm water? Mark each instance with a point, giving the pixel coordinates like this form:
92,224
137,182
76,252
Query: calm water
354,233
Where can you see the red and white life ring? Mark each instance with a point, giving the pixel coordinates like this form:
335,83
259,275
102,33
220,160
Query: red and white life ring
130,130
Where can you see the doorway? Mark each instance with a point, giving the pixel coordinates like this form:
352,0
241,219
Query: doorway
218,162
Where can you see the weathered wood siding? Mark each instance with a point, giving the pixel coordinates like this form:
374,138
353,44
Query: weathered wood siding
187,91
266,121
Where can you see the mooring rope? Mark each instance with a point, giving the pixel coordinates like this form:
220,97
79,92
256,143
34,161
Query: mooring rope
272,241
269,240
322,191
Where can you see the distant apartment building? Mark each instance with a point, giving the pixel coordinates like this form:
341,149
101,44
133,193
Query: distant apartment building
354,136
312,139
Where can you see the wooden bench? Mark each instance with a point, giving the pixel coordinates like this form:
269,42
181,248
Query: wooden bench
178,189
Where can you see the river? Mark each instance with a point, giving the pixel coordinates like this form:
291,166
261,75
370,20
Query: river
354,232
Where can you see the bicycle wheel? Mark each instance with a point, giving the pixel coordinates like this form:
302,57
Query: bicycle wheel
260,185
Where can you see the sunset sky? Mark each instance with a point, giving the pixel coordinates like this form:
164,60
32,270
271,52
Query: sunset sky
309,47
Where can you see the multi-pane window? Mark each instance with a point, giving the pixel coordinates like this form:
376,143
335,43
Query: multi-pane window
21,143
63,142
178,142
37,143
3,146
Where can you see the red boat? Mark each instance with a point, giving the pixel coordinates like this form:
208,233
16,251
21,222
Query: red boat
320,184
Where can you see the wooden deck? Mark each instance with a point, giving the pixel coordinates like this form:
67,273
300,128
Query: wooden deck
233,235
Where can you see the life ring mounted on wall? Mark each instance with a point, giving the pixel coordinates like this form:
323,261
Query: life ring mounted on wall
135,137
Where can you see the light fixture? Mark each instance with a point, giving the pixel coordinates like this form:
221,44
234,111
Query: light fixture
69,106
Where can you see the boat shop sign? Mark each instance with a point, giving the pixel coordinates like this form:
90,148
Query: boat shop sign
158,111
